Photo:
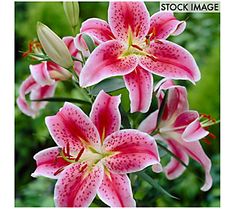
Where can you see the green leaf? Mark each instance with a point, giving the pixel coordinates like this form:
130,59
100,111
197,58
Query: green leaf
154,184
89,42
108,85
62,99
125,120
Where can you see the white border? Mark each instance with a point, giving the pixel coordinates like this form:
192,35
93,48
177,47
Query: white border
7,103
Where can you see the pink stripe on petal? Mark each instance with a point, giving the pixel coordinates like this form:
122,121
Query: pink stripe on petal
25,107
77,187
149,124
71,125
80,44
175,168
140,86
41,93
194,132
176,104
185,118
48,162
105,114
170,60
105,62
40,74
125,16
115,190
98,29
135,151
195,150
164,24
69,42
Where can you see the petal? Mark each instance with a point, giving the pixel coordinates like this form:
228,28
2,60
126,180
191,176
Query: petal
194,132
69,42
105,114
40,74
164,84
98,29
71,125
41,93
186,118
48,163
126,17
195,150
175,168
80,44
149,124
176,104
105,61
135,151
171,61
57,72
115,190
77,187
22,103
164,24
140,86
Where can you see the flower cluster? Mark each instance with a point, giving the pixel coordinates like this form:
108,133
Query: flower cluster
92,155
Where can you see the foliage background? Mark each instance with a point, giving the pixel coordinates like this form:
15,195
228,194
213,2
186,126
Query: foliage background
201,38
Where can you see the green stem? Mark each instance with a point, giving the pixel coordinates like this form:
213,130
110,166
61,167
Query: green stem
154,183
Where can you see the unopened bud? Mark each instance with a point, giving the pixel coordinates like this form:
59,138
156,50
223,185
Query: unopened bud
54,47
71,10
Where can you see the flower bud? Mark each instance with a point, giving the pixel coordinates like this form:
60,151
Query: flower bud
54,47
71,10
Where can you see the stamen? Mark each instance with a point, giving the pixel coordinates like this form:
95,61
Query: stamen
83,168
206,141
152,58
79,154
31,45
68,150
58,171
137,47
212,136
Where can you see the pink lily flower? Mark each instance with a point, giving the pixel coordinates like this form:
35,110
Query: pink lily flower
93,156
134,45
180,129
42,81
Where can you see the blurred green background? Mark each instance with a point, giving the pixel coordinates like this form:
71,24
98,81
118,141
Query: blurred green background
201,38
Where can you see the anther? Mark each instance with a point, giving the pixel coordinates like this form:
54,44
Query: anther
137,47
58,171
83,168
79,154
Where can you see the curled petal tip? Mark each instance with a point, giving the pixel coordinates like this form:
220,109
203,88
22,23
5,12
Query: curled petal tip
157,168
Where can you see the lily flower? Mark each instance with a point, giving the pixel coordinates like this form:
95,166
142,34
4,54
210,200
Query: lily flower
93,156
134,45
41,83
180,128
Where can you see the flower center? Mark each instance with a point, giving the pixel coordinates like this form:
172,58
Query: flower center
87,156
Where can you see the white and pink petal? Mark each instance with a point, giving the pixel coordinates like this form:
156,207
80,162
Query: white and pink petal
175,168
98,29
77,185
132,151
115,190
108,62
49,163
72,126
171,61
105,114
128,17
140,86
164,24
